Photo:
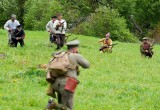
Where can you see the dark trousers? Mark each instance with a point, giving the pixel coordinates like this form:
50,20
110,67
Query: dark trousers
15,42
52,38
148,54
60,40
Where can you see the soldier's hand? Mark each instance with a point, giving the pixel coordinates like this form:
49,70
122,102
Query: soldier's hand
146,51
9,30
61,24
58,25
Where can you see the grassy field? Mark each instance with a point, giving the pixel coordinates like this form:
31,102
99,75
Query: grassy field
122,80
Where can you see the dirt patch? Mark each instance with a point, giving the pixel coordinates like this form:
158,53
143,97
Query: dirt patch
2,55
43,66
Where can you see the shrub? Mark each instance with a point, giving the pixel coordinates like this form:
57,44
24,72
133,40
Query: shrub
37,15
106,20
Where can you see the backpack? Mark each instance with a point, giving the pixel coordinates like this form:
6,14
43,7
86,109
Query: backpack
59,64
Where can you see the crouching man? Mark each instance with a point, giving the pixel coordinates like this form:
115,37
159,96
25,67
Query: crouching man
65,85
106,44
146,48
18,35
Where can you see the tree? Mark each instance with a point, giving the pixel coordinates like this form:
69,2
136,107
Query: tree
36,16
7,7
106,20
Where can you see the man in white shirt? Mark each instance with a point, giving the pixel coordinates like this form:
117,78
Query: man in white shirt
51,30
60,27
10,25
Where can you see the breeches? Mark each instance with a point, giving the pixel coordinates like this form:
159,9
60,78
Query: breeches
107,49
52,38
66,97
149,54
15,42
60,40
9,38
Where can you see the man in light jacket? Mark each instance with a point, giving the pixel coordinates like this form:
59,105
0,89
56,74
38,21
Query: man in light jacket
60,27
51,30
10,25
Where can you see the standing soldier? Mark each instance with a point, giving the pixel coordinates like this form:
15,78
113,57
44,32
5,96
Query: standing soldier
60,27
106,44
146,48
10,25
50,29
18,35
65,84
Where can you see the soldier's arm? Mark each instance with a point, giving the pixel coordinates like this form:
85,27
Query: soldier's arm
55,24
82,61
13,35
110,43
47,27
101,40
65,25
17,22
150,46
23,36
141,48
6,26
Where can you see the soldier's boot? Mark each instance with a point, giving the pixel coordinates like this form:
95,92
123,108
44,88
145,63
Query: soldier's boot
49,104
53,105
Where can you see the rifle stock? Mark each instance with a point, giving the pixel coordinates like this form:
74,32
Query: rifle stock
103,47
60,25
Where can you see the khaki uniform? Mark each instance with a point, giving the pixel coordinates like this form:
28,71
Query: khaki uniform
67,97
106,42
146,49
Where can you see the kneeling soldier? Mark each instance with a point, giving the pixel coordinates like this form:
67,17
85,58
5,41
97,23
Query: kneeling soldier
106,44
65,84
17,36
146,48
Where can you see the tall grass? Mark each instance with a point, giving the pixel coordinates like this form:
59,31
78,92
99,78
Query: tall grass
122,80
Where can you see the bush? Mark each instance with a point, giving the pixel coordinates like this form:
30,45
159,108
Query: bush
37,15
106,20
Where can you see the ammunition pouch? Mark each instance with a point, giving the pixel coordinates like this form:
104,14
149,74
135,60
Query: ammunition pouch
49,77
71,84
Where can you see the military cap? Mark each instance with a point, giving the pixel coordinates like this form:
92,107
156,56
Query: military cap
19,26
13,16
145,38
54,16
73,43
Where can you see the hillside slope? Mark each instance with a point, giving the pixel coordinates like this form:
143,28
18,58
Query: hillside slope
122,80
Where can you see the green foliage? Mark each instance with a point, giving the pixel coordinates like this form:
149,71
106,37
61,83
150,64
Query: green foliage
7,7
122,80
37,16
140,16
106,20
145,13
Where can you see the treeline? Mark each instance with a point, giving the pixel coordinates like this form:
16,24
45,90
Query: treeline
124,19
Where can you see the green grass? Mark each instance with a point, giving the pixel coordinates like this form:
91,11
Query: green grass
122,80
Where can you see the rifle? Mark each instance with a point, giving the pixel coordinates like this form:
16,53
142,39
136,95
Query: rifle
74,39
66,37
153,44
151,47
103,47
60,25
